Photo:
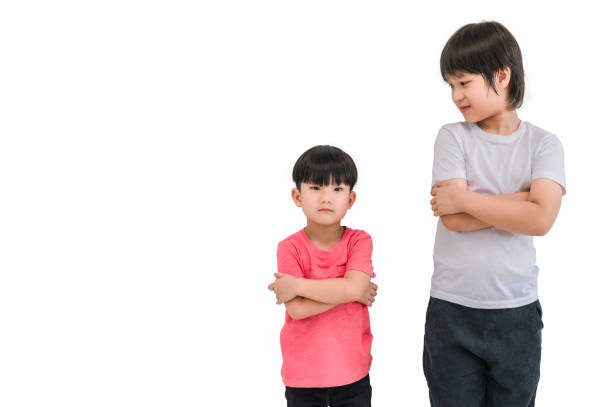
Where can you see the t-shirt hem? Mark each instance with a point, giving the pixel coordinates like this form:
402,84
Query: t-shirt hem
320,384
466,302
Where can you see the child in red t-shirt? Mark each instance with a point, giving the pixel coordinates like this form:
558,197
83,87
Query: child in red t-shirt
323,279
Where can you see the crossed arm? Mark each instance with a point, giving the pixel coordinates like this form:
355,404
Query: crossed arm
529,213
304,298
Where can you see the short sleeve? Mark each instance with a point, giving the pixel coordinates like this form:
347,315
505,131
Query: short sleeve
448,157
288,259
548,161
359,254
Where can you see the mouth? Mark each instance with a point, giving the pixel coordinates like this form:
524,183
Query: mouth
325,210
463,108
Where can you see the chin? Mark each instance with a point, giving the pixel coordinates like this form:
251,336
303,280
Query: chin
470,119
326,222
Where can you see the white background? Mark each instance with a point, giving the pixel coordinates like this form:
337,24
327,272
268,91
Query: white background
146,151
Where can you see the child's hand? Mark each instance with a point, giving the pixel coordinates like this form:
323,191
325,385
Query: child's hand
284,287
448,197
367,298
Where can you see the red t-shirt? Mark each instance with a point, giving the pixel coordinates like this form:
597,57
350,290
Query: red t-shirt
332,348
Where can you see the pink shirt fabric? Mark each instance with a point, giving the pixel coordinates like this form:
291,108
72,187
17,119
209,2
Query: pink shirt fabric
332,348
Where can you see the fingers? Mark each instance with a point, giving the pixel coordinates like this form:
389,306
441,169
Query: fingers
434,205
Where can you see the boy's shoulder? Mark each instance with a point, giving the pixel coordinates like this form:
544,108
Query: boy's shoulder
291,240
538,133
455,127
357,234
298,239
459,130
453,131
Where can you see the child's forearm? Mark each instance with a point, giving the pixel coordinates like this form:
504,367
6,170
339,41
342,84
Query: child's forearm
463,222
517,214
300,307
333,290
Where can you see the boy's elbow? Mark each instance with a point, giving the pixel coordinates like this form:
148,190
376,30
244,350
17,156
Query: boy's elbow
542,226
354,293
355,290
356,283
295,310
449,223
295,314
541,229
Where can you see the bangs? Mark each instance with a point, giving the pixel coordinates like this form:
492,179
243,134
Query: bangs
469,52
324,165
327,173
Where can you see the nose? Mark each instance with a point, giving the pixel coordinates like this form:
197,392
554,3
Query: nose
326,196
457,95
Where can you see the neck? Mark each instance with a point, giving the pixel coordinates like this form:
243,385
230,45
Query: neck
503,123
324,236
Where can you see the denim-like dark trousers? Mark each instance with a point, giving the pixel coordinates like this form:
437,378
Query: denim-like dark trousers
482,357
357,394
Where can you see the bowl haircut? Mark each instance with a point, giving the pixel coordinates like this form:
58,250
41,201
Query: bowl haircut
485,48
322,165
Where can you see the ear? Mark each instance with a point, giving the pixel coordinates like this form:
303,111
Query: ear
297,198
503,78
352,197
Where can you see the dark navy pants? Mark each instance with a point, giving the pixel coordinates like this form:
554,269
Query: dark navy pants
357,394
482,357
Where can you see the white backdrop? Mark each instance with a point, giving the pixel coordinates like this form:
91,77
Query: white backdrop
146,150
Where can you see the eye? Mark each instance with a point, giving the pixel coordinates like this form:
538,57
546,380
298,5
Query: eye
337,189
314,188
465,83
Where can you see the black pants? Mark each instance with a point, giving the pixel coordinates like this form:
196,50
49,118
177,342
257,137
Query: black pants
482,357
358,394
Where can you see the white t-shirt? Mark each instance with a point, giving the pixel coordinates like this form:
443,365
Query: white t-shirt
491,268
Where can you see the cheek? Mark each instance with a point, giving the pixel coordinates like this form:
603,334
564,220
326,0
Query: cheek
310,204
344,205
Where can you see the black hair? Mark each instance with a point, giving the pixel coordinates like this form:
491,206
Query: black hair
321,165
485,48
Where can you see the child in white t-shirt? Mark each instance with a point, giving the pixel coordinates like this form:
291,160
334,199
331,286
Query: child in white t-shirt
497,182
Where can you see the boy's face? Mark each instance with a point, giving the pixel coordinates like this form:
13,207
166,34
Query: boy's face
475,98
324,204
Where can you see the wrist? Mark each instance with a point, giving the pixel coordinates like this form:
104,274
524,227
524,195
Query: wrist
463,201
298,287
